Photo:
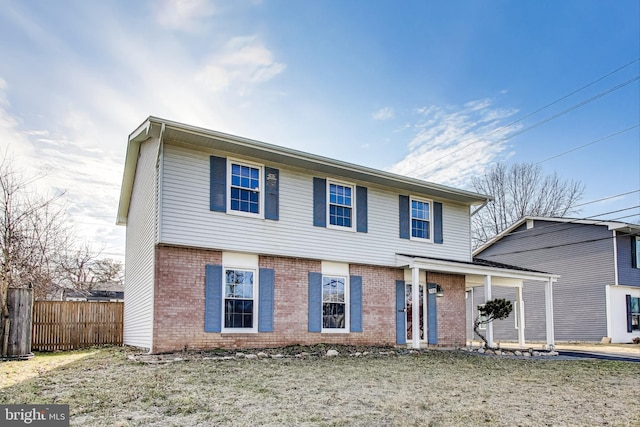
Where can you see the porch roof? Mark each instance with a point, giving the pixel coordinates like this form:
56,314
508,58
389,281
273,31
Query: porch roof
476,269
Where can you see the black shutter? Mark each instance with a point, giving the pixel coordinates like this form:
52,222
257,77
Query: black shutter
272,193
319,202
437,222
361,210
405,223
218,184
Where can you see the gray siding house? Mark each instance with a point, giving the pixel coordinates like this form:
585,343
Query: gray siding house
598,292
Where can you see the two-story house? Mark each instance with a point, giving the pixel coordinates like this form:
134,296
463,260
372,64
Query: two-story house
598,294
232,242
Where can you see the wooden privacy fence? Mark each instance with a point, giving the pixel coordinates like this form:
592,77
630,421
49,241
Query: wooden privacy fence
69,325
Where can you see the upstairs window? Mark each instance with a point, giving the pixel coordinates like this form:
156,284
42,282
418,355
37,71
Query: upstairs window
245,188
635,252
340,204
420,219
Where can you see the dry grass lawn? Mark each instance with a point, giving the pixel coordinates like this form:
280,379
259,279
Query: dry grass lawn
437,388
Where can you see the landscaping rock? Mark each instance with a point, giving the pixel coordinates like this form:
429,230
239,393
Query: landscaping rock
251,356
332,353
262,355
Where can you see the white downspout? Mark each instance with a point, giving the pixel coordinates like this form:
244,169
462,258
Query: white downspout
521,341
487,297
548,306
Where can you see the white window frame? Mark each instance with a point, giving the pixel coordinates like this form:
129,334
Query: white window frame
254,328
422,200
353,205
637,243
634,314
260,190
346,306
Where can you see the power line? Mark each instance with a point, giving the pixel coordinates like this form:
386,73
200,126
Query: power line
564,225
538,110
586,145
577,219
535,125
607,198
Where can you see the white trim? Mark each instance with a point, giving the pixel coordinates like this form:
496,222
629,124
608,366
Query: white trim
347,313
488,297
444,266
637,243
415,307
430,220
615,259
260,190
350,185
548,307
245,262
609,314
331,268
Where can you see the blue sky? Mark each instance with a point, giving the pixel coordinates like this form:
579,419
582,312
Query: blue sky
432,89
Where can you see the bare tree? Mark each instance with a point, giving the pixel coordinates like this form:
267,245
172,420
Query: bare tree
108,272
32,229
520,190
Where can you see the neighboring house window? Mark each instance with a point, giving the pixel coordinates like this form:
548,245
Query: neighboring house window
635,252
245,188
340,204
633,309
334,303
239,299
420,219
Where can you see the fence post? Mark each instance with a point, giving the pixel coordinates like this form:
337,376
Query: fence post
20,304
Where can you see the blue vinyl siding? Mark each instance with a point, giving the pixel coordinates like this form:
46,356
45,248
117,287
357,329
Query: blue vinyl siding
628,274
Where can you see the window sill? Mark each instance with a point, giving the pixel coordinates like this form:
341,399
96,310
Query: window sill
337,227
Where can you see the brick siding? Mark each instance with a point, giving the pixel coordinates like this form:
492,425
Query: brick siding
179,302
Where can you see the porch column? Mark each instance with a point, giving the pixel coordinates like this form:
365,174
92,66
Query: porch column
520,316
487,297
548,306
415,307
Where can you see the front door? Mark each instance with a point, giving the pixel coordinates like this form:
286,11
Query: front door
409,312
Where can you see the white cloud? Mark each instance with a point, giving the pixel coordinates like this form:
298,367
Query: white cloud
385,113
452,144
242,63
184,15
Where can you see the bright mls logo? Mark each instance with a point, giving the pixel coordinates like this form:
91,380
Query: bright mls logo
34,415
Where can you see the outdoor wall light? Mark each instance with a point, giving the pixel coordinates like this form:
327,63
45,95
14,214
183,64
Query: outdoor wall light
439,291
